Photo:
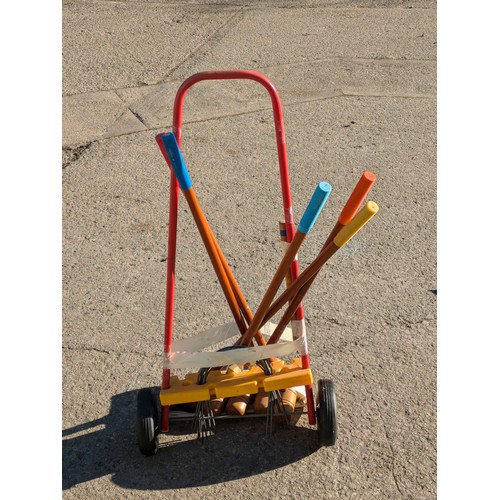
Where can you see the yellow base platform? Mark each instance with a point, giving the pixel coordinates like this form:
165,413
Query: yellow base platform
231,383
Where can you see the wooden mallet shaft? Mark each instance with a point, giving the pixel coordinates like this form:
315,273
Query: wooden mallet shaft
244,307
314,208
172,154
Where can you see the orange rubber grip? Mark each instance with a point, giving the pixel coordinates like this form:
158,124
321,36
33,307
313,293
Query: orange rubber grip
357,196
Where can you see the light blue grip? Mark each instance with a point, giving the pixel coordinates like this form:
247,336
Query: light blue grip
315,206
176,160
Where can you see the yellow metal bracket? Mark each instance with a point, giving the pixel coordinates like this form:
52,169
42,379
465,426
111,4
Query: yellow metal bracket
230,383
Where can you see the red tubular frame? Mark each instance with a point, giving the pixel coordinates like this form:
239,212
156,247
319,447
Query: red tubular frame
174,200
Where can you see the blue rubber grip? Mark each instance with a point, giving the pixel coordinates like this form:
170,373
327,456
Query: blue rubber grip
176,160
315,206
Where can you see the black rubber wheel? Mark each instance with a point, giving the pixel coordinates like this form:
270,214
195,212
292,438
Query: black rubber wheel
148,422
326,413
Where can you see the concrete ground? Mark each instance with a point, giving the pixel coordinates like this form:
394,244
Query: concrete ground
358,83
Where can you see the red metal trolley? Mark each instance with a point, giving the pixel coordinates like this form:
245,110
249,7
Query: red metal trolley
276,375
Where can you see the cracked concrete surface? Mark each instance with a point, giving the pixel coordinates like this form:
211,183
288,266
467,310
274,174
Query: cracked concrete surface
358,86
97,115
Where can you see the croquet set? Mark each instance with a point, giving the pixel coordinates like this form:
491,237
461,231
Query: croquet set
264,371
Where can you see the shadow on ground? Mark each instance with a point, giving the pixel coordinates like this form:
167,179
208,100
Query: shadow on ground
238,449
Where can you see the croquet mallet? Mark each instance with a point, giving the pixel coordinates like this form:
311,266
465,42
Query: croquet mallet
237,303
311,213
